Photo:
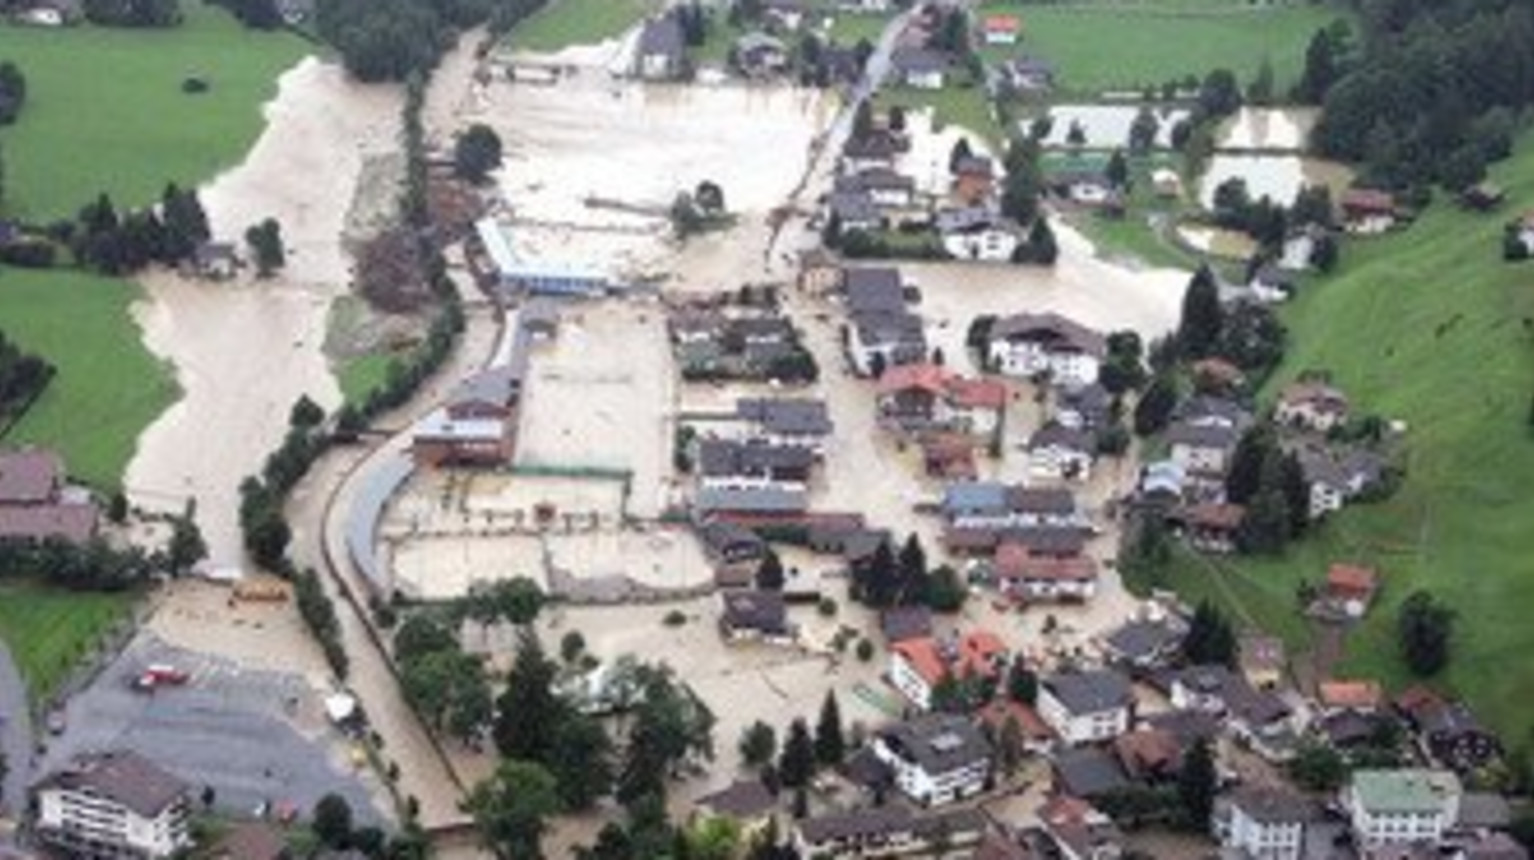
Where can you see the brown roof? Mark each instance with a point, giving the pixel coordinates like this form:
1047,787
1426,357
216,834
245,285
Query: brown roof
977,393
1368,200
1014,561
1355,695
1351,580
75,523
1225,517
252,840
1033,726
123,777
1319,395
1051,330
29,476
926,377
1218,370
1147,750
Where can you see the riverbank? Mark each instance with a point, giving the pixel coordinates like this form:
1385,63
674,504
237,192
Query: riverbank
245,350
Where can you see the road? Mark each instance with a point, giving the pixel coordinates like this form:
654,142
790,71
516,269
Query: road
15,736
317,508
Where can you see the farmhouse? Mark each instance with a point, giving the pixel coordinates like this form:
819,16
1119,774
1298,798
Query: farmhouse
1033,578
113,804
918,665
754,615
1448,731
1336,477
1142,644
725,464
1351,588
801,422
927,396
1367,210
1212,527
35,504
975,233
1202,450
1311,405
974,179
1060,453
1046,344
477,425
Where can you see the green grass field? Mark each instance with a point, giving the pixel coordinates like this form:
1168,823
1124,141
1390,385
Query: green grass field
965,107
1430,327
105,110
563,23
108,387
48,630
361,375
1119,46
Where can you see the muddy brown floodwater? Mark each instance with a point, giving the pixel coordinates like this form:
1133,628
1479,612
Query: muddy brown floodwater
245,350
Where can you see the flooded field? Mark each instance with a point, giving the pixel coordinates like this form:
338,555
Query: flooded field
593,166
1267,129
245,350
1277,177
1219,242
1107,126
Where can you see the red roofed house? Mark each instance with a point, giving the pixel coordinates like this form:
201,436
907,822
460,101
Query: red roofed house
1352,587
1367,210
917,666
34,504
949,456
928,396
1001,29
1038,737
1361,696
1024,575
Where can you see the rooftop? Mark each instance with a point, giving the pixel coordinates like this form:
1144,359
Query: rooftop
1052,330
29,476
938,743
1415,790
123,777
1091,691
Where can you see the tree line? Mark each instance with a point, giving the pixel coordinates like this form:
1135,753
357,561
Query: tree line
1433,94
391,40
23,376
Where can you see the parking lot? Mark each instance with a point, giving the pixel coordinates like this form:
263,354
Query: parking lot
254,736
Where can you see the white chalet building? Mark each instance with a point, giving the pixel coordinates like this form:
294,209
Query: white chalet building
113,805
936,758
1086,707
1046,344
1401,807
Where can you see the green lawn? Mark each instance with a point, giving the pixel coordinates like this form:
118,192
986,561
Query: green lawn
361,375
1113,45
563,23
48,630
1428,326
105,110
965,107
108,387
849,29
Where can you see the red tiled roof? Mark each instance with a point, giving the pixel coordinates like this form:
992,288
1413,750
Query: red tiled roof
1014,561
980,652
1368,200
1003,23
977,393
924,658
998,711
1351,580
1361,695
927,377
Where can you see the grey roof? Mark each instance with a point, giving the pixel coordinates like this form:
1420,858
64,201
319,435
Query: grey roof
498,385
875,178
878,821
741,799
938,743
1339,469
662,35
1052,330
891,329
1091,400
1255,707
1207,680
721,536
964,219
1091,691
1089,772
1272,805
975,497
786,416
906,622
1187,726
29,476
1057,435
123,777
1484,809
854,207
1048,540
919,61
883,147
1203,435
1202,408
873,289
539,312
1490,846
1141,638
1041,500
763,611
721,457
767,500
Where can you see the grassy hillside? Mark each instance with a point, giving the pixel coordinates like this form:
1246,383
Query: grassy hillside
1430,327
1112,45
48,630
564,23
108,387
105,110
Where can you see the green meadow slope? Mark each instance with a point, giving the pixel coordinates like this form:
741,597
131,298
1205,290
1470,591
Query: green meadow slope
1430,327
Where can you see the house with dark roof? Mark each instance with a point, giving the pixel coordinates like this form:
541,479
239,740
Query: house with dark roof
478,423
1083,407
922,68
1311,405
113,804
903,623
1023,575
731,544
787,421
936,758
887,188
1060,453
1079,830
1212,527
855,210
1265,822
1087,772
991,504
878,148
760,615
1046,344
1202,449
1448,730
729,464
883,340
661,54
746,802
777,501
1086,706
1145,644
1337,475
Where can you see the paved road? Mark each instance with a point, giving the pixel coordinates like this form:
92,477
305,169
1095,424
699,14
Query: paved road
253,736
15,735
318,510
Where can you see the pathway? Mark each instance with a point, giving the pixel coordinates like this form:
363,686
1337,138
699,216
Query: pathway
15,735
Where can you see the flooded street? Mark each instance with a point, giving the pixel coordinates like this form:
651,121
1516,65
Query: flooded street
245,350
